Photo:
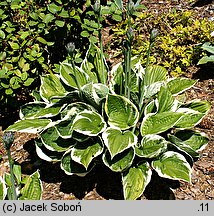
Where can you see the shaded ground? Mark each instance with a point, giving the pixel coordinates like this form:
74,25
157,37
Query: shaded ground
101,183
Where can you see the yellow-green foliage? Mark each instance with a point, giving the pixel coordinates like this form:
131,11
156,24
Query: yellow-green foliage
178,45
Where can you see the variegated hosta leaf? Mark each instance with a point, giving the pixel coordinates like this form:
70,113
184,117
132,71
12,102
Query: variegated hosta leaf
71,167
189,119
64,128
121,161
152,89
95,93
84,152
135,181
182,146
158,123
150,108
94,65
178,85
154,74
53,142
121,112
3,189
196,140
69,77
172,165
89,123
151,146
29,125
33,188
117,141
45,154
30,109
165,101
73,109
46,112
200,106
51,86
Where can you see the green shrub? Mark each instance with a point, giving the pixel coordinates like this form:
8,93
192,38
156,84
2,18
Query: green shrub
33,36
177,46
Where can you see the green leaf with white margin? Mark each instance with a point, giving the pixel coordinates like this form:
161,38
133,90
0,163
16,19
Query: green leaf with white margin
73,109
154,74
117,141
30,109
198,105
51,86
150,108
182,146
135,180
196,140
120,162
151,146
121,112
172,165
89,123
152,89
64,128
178,85
3,189
45,154
29,125
208,47
158,123
165,101
33,188
84,152
95,93
69,77
53,142
189,119
71,167
206,59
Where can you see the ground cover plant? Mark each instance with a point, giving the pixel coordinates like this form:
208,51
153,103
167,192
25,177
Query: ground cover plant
181,34
134,119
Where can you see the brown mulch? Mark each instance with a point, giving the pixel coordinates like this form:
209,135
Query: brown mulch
101,183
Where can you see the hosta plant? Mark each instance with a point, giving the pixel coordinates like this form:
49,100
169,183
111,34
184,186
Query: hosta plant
135,120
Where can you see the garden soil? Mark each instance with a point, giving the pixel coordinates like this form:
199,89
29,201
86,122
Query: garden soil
101,183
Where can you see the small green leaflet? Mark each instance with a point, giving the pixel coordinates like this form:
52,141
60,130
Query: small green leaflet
151,146
29,125
178,85
135,180
84,152
117,141
121,161
51,86
158,123
53,142
172,165
121,112
33,188
89,123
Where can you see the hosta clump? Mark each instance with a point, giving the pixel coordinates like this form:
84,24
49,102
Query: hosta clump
84,114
